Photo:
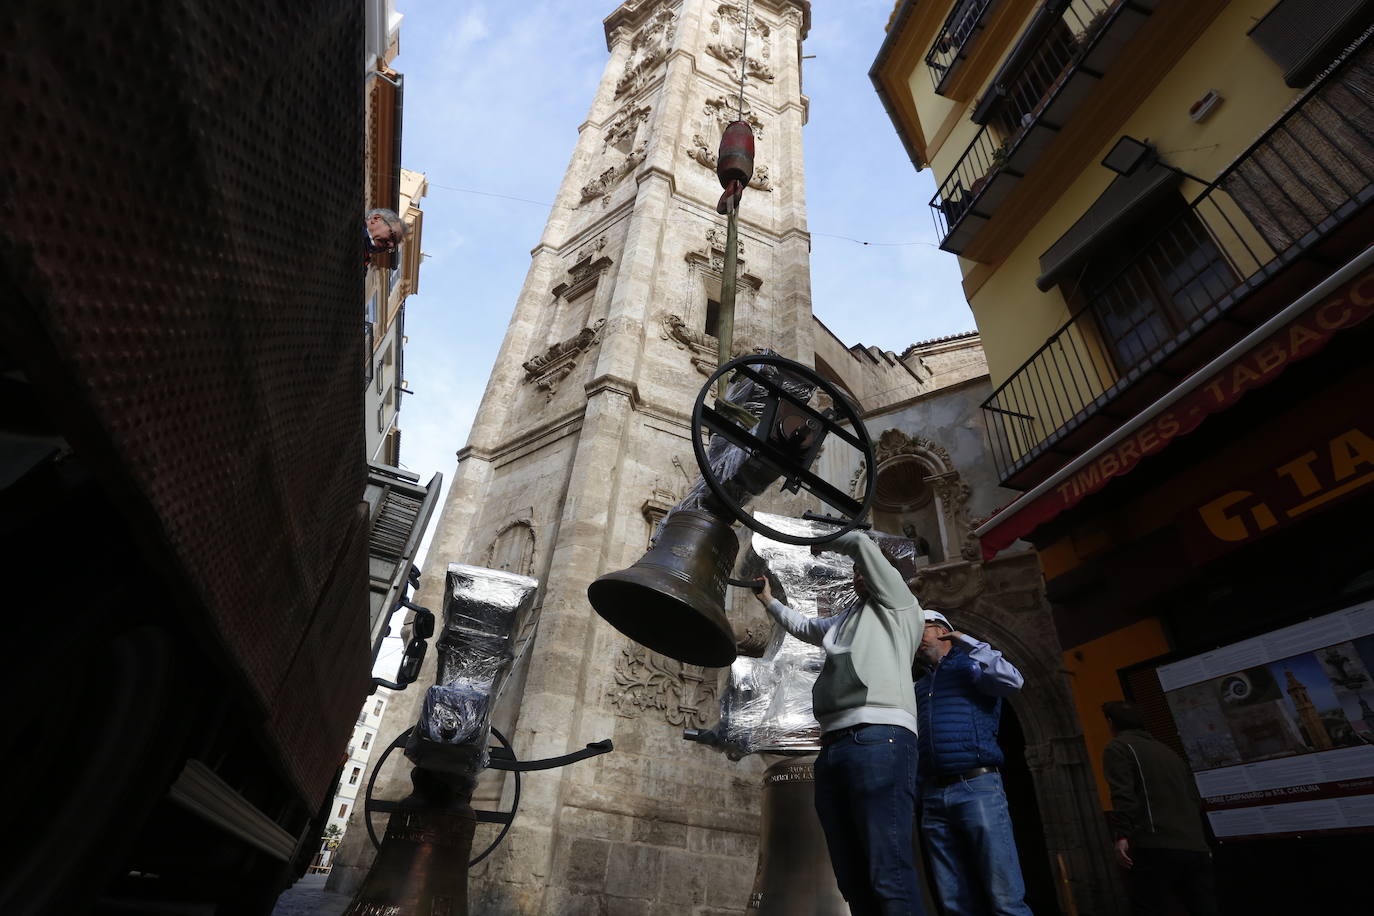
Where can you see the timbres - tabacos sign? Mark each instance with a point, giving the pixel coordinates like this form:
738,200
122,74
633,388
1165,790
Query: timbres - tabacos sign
1299,339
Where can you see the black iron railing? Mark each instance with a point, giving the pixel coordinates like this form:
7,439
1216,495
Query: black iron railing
1302,179
962,25
1061,43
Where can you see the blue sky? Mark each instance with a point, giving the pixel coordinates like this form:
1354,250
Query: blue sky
494,94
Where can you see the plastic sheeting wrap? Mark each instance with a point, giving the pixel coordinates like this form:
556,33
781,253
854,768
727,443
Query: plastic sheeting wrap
487,623
766,706
729,462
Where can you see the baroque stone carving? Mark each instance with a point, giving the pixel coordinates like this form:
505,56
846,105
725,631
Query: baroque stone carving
553,365
700,151
727,43
948,585
685,695
724,109
590,250
715,241
608,179
701,345
648,49
949,488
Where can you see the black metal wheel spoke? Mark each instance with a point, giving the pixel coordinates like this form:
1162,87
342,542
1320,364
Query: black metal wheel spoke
796,473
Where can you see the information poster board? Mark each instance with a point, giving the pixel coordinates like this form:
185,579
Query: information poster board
1279,729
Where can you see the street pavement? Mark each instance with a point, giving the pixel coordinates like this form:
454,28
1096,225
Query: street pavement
307,897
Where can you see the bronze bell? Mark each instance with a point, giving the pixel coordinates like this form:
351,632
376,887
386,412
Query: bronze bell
735,160
673,600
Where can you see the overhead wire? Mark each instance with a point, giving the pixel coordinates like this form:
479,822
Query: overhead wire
551,206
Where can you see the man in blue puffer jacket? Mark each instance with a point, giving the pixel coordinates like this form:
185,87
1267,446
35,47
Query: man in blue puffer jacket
964,817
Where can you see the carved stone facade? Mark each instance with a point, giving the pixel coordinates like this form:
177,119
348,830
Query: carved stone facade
586,414
686,696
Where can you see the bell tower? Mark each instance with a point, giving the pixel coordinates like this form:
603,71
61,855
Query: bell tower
582,443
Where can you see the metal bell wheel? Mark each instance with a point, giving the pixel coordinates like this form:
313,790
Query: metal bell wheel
785,421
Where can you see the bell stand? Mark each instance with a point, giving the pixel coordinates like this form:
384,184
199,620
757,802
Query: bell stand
500,758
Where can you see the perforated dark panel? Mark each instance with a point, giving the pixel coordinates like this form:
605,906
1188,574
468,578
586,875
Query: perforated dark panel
181,189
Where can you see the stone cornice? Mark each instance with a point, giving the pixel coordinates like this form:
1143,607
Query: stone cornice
613,384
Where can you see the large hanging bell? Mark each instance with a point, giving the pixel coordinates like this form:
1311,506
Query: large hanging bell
673,600
735,161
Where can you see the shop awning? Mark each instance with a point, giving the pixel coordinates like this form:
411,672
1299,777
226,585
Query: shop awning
1343,300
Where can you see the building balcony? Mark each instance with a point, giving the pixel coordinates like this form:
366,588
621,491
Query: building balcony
1276,222
1056,65
955,39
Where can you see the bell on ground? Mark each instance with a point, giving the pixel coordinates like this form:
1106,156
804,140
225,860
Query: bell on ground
673,600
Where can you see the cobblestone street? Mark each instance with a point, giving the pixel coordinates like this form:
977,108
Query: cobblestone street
307,897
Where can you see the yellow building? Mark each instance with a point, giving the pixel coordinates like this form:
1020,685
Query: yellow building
1161,213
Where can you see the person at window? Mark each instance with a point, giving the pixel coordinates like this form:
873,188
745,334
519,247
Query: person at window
1156,819
964,817
866,772
383,230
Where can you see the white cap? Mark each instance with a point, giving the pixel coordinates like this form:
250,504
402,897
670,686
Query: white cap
941,619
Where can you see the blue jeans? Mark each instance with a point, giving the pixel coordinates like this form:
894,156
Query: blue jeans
973,860
866,801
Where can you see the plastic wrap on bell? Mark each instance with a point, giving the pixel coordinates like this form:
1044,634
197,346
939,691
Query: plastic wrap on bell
766,705
742,479
486,613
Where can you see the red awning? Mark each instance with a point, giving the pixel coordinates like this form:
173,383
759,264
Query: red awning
1342,301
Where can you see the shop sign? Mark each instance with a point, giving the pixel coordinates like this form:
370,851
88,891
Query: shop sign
1299,339
1340,466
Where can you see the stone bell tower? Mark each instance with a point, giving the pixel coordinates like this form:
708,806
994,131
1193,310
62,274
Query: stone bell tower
582,443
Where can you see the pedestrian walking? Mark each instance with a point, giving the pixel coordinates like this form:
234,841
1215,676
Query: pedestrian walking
1156,819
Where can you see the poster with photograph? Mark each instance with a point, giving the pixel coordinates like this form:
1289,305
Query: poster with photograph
1279,729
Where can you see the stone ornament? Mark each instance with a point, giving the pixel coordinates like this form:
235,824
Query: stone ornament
701,152
684,695
622,139
555,364
951,492
648,49
723,110
699,344
727,42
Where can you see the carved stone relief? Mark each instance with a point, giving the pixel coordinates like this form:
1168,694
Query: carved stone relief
648,49
701,345
687,696
513,548
723,110
700,151
555,364
727,42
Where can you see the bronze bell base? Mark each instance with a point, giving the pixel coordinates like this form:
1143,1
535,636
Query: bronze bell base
794,876
422,866
673,600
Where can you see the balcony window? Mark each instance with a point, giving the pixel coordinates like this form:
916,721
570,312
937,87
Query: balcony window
1142,298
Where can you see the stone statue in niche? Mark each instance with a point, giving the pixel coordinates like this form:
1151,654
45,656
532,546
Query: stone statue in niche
727,42
648,49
